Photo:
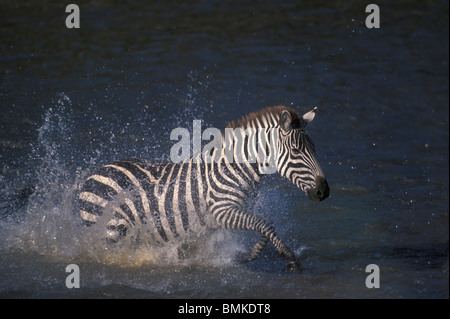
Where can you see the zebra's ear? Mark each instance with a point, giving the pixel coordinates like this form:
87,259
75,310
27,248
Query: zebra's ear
286,120
309,116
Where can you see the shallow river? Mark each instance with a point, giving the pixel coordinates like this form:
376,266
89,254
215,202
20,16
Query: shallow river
74,99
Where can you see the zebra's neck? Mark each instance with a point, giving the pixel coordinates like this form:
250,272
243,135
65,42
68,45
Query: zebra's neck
256,138
250,144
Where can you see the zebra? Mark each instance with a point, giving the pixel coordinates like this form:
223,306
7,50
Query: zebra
167,201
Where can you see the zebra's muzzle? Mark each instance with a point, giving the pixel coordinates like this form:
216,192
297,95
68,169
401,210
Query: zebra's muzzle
321,191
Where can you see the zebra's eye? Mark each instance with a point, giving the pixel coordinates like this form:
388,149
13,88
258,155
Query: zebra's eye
295,151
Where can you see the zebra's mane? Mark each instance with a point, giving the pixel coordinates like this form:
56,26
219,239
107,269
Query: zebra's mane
270,115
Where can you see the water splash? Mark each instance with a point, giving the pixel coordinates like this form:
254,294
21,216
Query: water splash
51,225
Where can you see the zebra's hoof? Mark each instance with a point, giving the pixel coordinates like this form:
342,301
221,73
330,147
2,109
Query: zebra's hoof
294,266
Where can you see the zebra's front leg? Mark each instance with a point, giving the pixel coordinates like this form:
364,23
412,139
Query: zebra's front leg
235,218
256,250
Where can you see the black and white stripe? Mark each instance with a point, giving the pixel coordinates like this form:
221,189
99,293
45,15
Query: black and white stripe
163,202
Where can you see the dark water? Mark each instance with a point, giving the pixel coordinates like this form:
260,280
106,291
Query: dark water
72,100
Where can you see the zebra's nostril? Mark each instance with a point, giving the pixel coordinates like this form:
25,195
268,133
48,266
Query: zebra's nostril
321,191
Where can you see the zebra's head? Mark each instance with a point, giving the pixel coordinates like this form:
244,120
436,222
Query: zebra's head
296,155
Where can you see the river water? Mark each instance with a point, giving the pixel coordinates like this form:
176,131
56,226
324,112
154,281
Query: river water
74,99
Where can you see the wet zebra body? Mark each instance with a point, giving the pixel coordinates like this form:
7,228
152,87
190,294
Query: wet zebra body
163,202
167,198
